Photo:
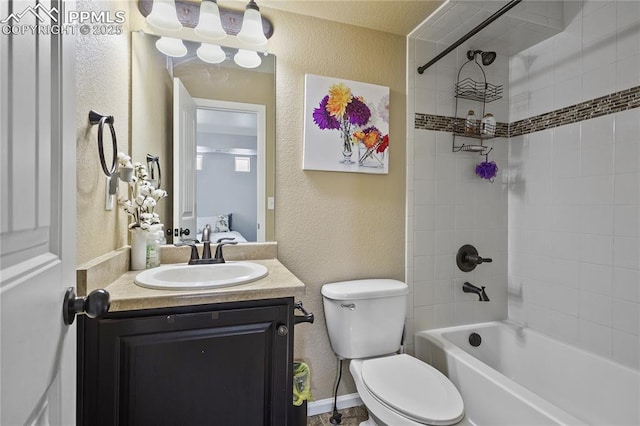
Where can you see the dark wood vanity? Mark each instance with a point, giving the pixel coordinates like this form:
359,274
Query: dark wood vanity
211,364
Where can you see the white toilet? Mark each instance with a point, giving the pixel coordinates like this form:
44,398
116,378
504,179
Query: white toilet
365,320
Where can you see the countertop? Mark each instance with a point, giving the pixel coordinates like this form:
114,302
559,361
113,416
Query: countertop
111,273
127,296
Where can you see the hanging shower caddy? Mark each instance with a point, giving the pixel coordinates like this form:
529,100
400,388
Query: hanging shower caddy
481,92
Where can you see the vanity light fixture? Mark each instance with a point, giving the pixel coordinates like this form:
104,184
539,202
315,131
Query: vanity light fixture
171,47
164,16
209,23
247,58
251,31
211,53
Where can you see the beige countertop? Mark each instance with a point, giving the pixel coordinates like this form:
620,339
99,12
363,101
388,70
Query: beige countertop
125,295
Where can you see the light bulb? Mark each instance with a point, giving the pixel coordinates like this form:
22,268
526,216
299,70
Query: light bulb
163,16
211,53
209,24
171,47
251,31
247,58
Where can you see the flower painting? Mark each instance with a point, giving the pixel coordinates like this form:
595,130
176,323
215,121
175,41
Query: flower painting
346,126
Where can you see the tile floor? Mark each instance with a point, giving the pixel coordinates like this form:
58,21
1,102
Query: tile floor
350,417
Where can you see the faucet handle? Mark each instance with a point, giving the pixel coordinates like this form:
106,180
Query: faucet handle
226,239
194,249
218,258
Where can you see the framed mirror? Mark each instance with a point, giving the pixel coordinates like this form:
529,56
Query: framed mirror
226,177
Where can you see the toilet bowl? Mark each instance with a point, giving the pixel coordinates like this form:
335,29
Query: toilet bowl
365,321
402,390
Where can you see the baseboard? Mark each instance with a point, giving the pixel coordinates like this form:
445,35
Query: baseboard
326,405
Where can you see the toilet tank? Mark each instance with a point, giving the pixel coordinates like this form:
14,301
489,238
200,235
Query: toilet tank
365,318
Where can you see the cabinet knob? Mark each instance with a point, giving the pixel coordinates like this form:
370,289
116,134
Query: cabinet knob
283,330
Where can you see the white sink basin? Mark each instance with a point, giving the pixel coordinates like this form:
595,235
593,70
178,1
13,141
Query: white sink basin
196,277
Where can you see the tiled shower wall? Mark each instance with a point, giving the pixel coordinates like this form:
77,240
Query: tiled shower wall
448,205
569,194
574,219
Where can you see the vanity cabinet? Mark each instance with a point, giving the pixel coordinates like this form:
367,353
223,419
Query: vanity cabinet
217,364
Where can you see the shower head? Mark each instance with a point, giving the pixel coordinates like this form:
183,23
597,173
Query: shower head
487,57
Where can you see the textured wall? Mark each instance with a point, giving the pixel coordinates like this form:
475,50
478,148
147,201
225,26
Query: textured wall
102,84
335,226
329,226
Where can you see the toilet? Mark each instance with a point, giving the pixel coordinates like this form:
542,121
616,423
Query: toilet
365,321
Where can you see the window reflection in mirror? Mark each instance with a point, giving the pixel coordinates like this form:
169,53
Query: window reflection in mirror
153,132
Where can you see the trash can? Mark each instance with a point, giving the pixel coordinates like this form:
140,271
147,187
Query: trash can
301,392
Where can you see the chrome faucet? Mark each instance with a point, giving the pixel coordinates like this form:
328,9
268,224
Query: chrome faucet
470,288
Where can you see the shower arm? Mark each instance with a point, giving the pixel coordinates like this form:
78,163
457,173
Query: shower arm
470,34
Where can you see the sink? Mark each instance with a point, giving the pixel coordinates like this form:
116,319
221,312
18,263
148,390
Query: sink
197,277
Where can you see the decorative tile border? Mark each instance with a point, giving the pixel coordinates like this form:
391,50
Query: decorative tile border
604,105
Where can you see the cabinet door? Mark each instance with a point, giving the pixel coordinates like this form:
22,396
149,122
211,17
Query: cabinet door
220,367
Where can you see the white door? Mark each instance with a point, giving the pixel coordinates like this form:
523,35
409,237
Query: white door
184,172
37,218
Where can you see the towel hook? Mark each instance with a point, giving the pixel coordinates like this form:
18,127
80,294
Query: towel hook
100,120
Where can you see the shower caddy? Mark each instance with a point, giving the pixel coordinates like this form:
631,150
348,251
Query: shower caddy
481,92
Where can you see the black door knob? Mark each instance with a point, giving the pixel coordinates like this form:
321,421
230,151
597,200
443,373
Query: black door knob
95,305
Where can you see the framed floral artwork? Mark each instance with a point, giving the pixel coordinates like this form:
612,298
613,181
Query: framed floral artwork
346,126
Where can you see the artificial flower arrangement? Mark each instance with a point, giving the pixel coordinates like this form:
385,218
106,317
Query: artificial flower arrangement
144,196
342,110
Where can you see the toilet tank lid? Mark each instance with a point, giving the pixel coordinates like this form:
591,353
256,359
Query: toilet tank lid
364,289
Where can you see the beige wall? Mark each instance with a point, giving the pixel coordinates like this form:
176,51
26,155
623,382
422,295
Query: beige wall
152,113
102,84
329,226
335,226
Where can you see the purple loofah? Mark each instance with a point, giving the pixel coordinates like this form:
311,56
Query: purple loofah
487,170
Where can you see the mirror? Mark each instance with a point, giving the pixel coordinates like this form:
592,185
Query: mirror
232,102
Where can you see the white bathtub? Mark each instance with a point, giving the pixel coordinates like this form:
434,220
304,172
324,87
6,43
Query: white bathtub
520,377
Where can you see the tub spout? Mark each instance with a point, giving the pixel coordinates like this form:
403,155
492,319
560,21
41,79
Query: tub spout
467,287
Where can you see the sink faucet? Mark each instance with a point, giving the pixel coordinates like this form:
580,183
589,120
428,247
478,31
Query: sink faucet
206,241
470,288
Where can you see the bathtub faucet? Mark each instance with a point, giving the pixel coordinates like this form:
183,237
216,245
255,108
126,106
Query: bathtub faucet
467,287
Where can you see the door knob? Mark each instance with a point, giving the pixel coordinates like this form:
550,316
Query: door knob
95,305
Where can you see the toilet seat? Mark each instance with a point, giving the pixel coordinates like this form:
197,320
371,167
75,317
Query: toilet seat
414,389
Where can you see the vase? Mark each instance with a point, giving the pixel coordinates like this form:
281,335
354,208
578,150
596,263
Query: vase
347,149
369,157
138,249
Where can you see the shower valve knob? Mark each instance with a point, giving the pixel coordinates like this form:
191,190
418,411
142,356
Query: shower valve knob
467,258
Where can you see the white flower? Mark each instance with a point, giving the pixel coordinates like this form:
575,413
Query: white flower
145,189
159,193
149,203
124,159
144,196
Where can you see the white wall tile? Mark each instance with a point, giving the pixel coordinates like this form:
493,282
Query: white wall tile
563,228
596,338
626,349
596,279
626,316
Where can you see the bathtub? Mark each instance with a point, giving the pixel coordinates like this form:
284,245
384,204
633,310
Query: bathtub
518,376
